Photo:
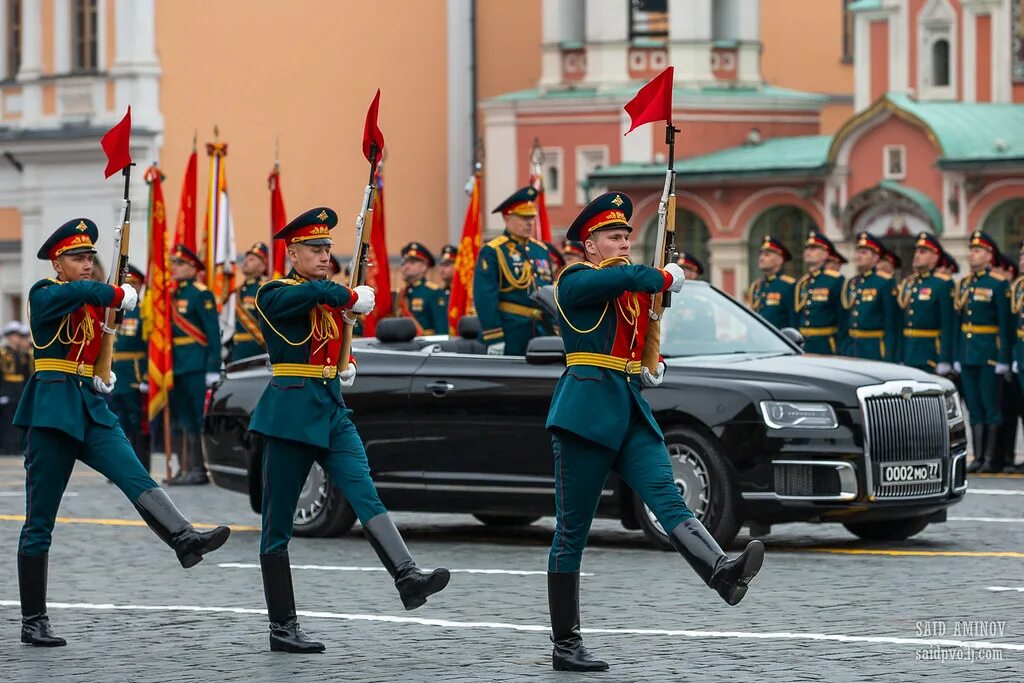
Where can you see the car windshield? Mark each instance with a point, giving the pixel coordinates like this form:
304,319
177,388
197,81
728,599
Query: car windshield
704,322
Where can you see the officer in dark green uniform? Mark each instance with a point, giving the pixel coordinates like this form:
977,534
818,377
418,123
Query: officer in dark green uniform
508,269
818,297
983,347
247,338
15,368
131,365
303,420
869,301
196,359
573,252
1017,313
929,321
771,295
419,299
67,420
600,422
446,268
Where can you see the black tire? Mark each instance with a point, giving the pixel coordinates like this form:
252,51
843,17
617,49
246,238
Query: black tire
889,530
506,520
704,480
322,510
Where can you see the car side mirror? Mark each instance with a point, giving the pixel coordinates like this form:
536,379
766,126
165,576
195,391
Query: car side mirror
792,335
545,351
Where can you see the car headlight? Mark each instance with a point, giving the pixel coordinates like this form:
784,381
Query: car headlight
953,407
789,414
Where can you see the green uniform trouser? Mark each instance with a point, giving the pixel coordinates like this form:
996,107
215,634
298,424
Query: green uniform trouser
128,408
187,400
518,331
50,456
868,349
286,465
826,346
581,467
246,349
983,394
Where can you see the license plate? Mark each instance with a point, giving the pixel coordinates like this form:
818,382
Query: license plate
921,472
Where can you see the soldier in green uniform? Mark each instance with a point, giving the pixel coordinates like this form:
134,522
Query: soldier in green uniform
1017,312
983,347
601,422
869,301
247,338
771,295
303,420
419,299
131,365
15,368
508,269
929,321
196,360
818,297
446,268
67,420
573,252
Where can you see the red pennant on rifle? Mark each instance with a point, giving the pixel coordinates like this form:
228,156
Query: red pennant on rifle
653,102
115,145
371,133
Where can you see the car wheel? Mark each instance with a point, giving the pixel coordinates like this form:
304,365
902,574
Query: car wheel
703,479
506,520
322,510
890,530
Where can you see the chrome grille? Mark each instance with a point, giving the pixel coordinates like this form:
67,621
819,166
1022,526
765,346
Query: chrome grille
903,429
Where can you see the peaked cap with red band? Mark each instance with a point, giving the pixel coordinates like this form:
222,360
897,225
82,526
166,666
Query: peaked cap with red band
892,258
818,239
448,253
418,251
685,260
183,253
985,241
77,236
573,247
610,211
312,227
866,240
522,202
926,240
259,249
773,244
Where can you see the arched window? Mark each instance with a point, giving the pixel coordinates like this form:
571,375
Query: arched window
787,223
940,63
1005,224
692,237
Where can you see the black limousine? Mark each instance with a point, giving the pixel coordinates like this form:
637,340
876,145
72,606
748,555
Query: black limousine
759,433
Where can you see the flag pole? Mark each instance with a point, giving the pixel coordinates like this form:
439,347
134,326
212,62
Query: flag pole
167,440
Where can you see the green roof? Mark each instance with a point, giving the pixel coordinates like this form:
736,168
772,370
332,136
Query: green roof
680,95
864,5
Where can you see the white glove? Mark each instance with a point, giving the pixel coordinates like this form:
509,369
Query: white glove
365,300
651,381
1002,368
131,298
4,400
943,369
100,387
212,378
496,349
144,387
956,366
1015,368
348,375
678,277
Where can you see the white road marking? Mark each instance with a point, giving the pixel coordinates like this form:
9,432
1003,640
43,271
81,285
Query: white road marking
537,628
997,492
21,494
343,568
1003,589
999,520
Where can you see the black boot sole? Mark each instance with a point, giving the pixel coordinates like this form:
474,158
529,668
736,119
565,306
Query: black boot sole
563,665
438,582
309,648
193,558
732,594
42,643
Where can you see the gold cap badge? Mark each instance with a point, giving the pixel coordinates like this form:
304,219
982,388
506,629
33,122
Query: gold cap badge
617,201
322,215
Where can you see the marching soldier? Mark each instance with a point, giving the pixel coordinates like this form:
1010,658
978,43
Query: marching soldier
67,420
508,269
196,358
303,419
601,422
983,348
131,365
572,251
869,300
818,297
419,299
446,268
771,295
247,339
929,321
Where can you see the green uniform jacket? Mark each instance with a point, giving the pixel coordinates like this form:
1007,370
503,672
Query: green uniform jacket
986,331
929,321
195,328
298,318
508,269
131,354
772,297
1017,310
819,308
58,314
247,334
425,303
871,321
597,403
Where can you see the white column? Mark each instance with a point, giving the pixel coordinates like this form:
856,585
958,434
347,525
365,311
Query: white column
562,21
729,253
500,169
460,110
62,35
899,49
607,38
135,69
968,38
689,35
1002,57
861,62
749,57
31,64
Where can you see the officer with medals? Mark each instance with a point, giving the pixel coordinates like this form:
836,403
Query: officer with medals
67,420
771,295
600,422
419,299
983,348
446,268
818,298
869,300
303,420
929,321
247,338
15,368
131,365
196,358
508,269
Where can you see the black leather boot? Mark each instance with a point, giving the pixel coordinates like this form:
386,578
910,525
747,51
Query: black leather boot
702,552
35,625
285,633
414,584
568,653
978,442
173,529
993,456
196,473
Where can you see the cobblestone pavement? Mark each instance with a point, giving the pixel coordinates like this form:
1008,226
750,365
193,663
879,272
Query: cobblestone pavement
825,607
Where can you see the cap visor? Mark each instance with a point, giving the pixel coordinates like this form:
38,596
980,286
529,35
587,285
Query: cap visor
323,242
79,250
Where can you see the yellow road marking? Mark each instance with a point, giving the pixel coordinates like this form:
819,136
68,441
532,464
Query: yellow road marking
1000,475
124,522
906,553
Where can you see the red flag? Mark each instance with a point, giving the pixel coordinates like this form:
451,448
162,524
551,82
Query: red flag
371,133
543,222
185,229
653,102
158,297
278,220
460,302
115,145
378,274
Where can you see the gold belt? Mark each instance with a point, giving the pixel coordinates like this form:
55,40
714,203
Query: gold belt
520,310
128,355
14,378
240,337
922,334
182,341
819,331
979,329
68,366
304,370
1020,333
867,334
601,360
